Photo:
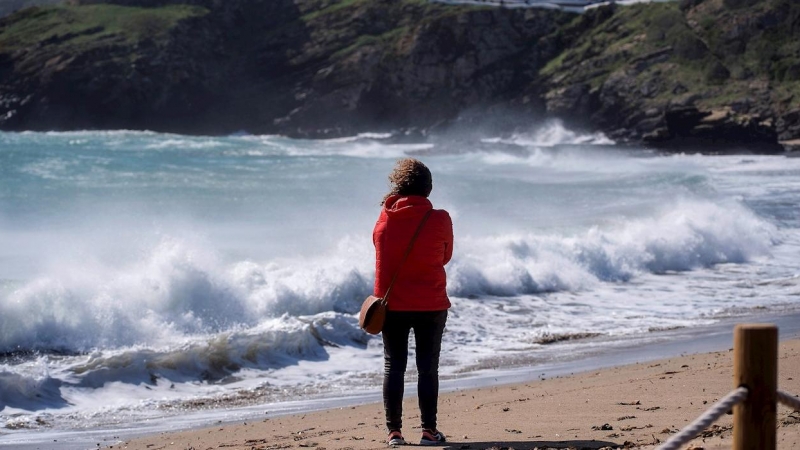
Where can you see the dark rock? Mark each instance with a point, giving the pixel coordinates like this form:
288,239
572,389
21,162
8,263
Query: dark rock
741,106
717,73
788,126
679,89
323,68
690,47
739,3
689,4
654,57
652,125
650,87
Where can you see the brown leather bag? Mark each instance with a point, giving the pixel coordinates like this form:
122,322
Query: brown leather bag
373,310
372,315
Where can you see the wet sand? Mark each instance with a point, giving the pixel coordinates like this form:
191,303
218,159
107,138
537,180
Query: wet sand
631,406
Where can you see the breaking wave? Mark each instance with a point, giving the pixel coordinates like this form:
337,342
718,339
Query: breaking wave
177,291
687,236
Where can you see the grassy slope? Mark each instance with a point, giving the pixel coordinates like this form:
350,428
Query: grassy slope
632,33
700,57
701,61
333,30
74,29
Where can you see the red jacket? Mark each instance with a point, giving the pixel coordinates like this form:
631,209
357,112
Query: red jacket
421,283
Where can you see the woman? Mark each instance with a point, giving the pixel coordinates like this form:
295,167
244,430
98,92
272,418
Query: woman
418,299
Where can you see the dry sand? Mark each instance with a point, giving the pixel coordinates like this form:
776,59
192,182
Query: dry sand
634,406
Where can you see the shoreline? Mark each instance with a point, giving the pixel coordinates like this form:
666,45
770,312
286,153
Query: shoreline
611,356
632,406
401,136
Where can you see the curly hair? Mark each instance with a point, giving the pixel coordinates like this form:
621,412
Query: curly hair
410,177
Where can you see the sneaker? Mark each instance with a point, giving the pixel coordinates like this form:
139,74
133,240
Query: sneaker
431,437
396,438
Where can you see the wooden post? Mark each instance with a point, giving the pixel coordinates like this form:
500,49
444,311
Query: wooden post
755,366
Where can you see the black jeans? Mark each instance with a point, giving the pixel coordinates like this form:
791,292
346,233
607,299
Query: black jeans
428,328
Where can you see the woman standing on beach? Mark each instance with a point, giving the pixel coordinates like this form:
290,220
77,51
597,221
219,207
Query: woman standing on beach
418,298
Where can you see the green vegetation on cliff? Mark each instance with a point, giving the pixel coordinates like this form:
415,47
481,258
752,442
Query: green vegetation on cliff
752,40
719,70
737,60
341,27
649,38
78,28
97,66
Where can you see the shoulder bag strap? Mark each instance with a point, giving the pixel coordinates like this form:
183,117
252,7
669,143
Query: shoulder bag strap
405,257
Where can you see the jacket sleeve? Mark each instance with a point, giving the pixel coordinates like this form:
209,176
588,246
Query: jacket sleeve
378,255
447,226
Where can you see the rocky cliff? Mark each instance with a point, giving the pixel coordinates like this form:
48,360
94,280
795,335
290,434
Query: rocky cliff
709,72
706,72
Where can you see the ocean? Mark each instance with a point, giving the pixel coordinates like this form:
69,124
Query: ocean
157,280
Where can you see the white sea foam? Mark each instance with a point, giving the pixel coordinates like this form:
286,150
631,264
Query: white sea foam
682,237
51,168
161,276
551,134
175,291
366,145
179,290
358,137
184,143
96,133
30,390
358,149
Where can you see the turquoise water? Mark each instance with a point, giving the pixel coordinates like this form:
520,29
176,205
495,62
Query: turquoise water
140,272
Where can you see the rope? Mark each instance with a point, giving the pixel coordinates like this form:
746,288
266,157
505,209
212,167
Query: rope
788,400
701,423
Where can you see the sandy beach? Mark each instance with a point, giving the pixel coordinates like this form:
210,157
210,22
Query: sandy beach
633,406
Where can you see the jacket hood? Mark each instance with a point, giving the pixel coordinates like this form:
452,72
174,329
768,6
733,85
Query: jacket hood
406,205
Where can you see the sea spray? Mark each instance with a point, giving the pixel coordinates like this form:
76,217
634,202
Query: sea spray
145,275
684,236
179,290
172,293
549,134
